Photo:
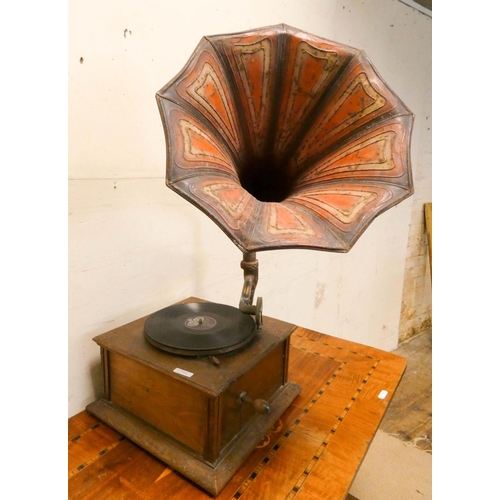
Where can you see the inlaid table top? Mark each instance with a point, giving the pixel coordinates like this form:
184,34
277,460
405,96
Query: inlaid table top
313,451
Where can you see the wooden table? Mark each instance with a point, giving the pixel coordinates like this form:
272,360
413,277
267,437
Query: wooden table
313,452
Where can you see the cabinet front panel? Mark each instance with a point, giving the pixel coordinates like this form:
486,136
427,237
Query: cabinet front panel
177,409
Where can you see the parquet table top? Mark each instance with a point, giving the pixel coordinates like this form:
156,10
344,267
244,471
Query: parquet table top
312,453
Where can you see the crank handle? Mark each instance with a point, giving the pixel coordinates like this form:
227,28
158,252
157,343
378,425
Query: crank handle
259,405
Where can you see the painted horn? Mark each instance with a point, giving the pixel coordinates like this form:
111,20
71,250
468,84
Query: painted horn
285,139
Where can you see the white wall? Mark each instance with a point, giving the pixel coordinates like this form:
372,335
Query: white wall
135,246
416,310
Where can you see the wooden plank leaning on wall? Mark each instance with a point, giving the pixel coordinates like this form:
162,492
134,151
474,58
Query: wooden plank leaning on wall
428,226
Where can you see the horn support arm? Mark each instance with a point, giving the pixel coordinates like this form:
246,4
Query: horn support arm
250,266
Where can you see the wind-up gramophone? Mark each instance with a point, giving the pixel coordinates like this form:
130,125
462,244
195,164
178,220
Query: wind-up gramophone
285,140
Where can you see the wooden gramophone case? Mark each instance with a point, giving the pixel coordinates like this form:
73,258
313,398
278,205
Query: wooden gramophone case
188,411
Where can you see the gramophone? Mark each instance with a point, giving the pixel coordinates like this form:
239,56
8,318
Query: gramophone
285,140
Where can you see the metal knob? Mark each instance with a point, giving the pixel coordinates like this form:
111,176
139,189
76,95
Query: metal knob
259,405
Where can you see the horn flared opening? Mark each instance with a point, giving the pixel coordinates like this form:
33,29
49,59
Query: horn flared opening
285,139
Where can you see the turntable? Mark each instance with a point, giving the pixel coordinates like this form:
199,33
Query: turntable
284,140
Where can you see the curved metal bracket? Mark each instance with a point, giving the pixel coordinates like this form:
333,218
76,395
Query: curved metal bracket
250,266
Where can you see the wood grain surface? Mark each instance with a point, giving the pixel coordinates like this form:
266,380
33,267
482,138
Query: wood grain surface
312,452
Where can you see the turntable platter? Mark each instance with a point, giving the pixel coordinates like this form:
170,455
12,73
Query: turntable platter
199,329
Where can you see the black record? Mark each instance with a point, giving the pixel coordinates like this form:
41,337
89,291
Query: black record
199,328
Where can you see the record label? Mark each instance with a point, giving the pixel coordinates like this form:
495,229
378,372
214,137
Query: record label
200,322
